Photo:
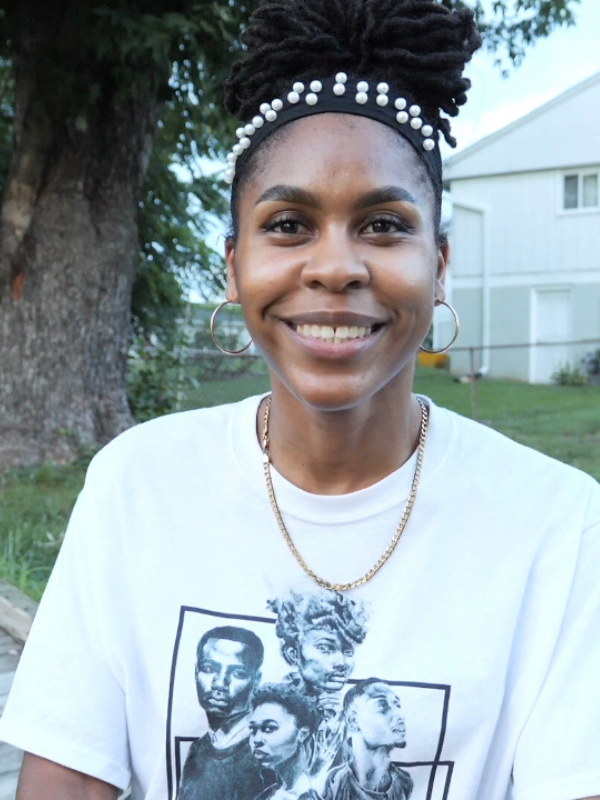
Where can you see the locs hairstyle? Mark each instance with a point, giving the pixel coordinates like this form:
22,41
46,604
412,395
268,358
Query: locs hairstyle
418,46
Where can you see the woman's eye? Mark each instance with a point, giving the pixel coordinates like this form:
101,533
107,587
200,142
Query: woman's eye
289,226
385,225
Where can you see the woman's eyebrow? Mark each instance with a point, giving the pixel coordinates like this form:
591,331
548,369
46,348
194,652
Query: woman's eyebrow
289,194
387,194
295,194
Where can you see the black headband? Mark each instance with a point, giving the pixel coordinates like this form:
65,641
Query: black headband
342,95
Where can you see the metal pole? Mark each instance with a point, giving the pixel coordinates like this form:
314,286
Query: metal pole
473,391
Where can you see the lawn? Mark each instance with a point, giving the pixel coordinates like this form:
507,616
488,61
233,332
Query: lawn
562,421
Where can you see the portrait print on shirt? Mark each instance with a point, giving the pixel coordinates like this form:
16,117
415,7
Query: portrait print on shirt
283,707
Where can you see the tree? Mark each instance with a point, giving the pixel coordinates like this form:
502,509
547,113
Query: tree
96,86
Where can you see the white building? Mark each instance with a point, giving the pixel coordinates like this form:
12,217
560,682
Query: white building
525,264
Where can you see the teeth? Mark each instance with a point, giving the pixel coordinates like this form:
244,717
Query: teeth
338,335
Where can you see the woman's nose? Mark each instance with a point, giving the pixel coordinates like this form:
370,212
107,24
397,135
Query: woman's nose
335,264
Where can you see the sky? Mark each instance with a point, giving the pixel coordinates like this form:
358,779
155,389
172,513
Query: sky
550,67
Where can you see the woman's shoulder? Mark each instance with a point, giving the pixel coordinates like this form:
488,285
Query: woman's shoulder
475,448
175,438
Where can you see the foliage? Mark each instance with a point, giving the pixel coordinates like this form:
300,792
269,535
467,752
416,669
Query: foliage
567,375
509,27
156,377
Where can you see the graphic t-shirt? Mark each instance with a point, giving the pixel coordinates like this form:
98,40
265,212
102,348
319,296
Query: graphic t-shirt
180,648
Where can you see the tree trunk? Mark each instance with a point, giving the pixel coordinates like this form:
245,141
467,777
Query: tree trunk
68,249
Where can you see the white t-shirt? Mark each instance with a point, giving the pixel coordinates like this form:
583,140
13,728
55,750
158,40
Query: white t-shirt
485,623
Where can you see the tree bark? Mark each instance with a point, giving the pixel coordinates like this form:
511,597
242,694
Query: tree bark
68,249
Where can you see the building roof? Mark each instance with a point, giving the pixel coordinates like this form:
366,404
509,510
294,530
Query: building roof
562,133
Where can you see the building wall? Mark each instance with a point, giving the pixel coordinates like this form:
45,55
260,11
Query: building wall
511,238
528,233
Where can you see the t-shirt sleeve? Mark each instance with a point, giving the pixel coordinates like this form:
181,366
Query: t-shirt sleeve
558,755
67,703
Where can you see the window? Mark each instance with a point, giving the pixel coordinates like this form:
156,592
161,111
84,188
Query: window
581,190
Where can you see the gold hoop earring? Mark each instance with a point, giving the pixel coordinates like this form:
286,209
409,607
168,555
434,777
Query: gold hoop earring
454,338
214,338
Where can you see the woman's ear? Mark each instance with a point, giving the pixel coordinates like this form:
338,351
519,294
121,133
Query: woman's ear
440,278
231,293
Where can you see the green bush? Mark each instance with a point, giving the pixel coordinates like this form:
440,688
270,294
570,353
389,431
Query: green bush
566,375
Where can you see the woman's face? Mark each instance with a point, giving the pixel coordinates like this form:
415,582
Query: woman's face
274,735
324,660
336,263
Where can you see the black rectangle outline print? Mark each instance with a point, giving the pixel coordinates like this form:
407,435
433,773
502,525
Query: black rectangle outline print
435,764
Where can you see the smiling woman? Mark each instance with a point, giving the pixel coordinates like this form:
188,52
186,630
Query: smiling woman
338,591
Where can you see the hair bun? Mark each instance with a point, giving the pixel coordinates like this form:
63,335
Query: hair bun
419,46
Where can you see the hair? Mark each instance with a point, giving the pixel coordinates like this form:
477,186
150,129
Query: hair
256,650
330,611
358,690
286,696
418,46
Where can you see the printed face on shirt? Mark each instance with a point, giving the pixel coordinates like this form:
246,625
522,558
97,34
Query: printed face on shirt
224,679
376,716
324,660
274,735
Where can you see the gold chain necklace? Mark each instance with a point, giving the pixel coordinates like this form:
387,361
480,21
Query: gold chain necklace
344,587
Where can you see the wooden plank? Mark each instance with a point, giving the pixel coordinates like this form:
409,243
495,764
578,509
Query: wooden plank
8,785
8,663
10,759
16,611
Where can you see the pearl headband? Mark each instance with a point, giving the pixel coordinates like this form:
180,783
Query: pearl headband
344,96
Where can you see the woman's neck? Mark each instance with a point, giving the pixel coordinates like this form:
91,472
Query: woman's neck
337,452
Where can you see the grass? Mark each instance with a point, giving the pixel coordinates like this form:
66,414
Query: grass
562,421
34,507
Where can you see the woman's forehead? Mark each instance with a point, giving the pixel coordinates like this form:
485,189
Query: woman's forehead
326,149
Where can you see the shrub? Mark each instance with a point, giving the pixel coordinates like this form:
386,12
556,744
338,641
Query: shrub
567,375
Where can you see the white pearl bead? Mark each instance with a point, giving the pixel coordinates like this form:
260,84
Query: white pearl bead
383,88
229,175
402,117
362,87
339,89
258,122
400,104
428,144
382,100
245,142
298,87
426,130
312,99
240,132
414,111
277,104
362,98
316,86
264,107
416,123
238,149
341,77
231,158
293,97
250,130
271,115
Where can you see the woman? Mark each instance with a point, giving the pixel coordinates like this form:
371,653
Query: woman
488,619
281,728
